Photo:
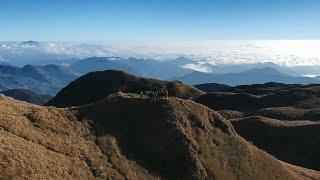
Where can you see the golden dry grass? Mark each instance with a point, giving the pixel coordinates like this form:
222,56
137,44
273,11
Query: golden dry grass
289,113
230,114
95,86
128,137
296,142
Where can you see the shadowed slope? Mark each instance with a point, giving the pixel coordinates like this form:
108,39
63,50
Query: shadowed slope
96,85
289,113
229,114
44,143
304,97
214,87
296,142
256,89
230,101
180,139
127,137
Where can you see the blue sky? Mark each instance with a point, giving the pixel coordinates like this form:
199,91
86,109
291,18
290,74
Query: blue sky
99,20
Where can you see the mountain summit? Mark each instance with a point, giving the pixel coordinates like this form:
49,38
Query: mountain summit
96,85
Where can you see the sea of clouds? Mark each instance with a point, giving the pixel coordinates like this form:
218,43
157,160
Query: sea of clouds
282,52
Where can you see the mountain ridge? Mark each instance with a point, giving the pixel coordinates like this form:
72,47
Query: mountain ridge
47,79
252,76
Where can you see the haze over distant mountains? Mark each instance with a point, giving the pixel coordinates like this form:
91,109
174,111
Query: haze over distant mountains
214,52
142,67
252,76
181,69
47,79
55,64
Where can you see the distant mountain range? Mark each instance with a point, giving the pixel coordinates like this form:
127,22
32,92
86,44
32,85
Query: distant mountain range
20,53
185,69
252,76
141,67
49,79
41,79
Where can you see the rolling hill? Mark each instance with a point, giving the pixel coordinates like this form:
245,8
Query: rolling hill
128,137
256,89
96,85
296,142
266,88
214,87
299,97
282,119
231,101
290,113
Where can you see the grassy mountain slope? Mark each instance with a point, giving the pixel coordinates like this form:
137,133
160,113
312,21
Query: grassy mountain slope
128,137
300,97
296,142
96,85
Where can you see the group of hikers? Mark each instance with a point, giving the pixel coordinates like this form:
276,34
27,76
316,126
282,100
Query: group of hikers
154,94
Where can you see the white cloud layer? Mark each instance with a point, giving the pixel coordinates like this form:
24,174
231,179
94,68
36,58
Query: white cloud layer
282,52
198,67
288,53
